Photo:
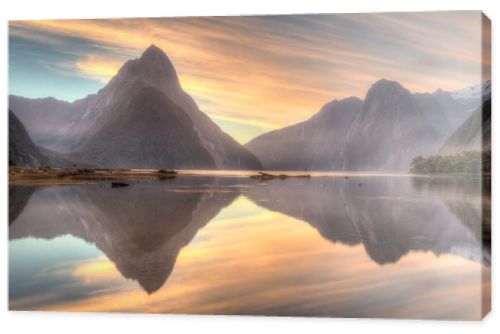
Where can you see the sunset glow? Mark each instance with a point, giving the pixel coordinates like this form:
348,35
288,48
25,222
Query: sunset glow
285,260
253,74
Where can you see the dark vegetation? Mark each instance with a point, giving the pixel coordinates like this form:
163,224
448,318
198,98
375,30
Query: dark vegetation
164,174
267,176
469,162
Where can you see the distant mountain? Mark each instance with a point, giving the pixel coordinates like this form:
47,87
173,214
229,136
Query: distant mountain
473,135
142,118
315,144
22,151
442,111
471,97
391,129
47,120
382,133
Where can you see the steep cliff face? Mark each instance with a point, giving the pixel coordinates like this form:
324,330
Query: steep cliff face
144,129
22,151
442,111
142,118
316,144
382,133
473,135
389,131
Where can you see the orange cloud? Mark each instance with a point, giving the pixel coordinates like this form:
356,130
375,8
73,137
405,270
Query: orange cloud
271,72
98,67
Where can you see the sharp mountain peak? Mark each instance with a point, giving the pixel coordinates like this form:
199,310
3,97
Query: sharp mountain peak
153,65
154,54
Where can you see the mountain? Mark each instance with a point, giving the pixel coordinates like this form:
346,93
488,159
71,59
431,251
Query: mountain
442,111
473,135
22,151
142,118
315,144
144,128
470,97
390,131
382,133
47,120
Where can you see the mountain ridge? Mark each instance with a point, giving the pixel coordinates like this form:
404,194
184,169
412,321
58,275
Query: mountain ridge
142,118
311,145
78,136
387,130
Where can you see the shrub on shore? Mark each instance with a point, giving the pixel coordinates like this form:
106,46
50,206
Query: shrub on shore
167,171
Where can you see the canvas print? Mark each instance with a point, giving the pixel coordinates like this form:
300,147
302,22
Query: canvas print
333,165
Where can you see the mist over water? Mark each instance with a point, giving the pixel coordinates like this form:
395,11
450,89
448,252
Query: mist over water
344,245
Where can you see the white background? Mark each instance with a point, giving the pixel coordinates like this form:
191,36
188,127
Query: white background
24,322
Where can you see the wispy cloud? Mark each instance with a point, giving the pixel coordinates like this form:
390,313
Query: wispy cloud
273,71
98,67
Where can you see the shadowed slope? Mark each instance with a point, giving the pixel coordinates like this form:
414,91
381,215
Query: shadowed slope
389,132
22,151
120,140
316,144
112,128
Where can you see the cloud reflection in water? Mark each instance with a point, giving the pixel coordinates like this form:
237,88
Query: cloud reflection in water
322,247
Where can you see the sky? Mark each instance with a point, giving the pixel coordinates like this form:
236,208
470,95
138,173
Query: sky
253,74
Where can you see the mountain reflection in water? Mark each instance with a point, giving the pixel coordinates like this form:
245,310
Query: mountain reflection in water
386,215
142,229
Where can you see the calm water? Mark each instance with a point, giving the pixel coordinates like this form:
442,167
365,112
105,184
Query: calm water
361,246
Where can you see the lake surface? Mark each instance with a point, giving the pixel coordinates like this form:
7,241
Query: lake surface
394,246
